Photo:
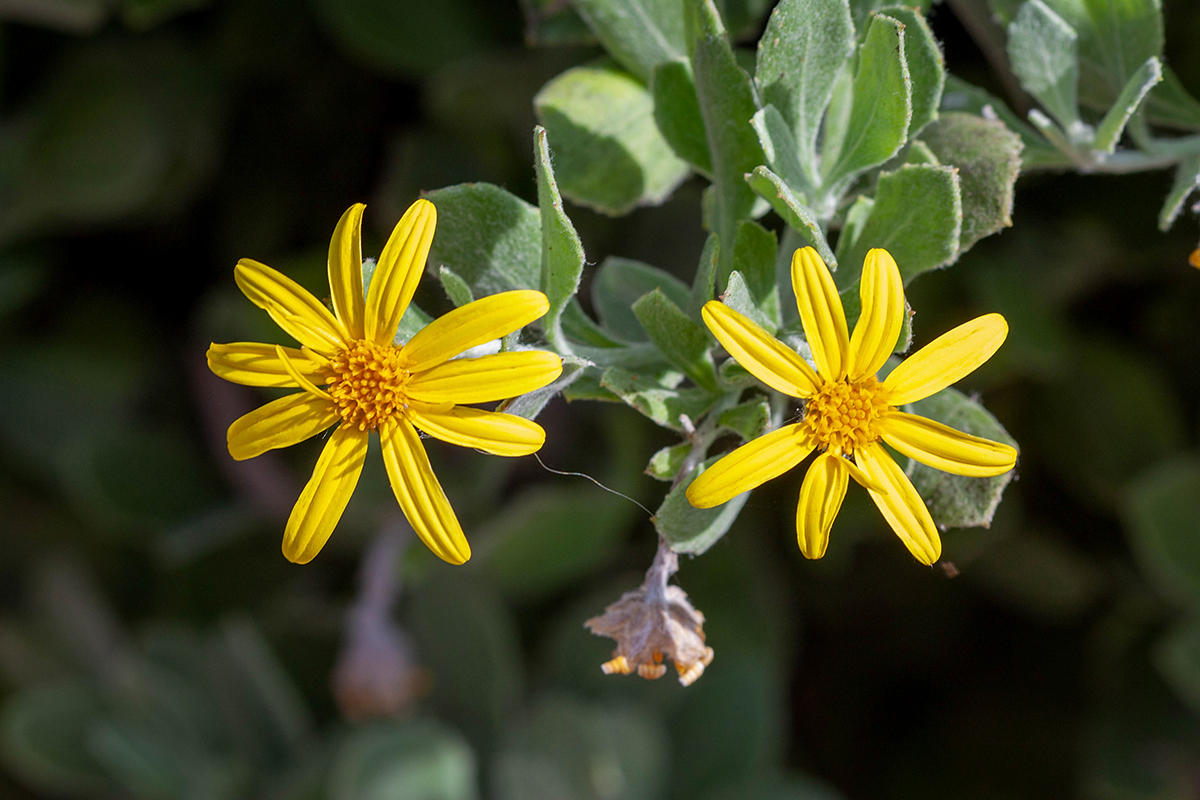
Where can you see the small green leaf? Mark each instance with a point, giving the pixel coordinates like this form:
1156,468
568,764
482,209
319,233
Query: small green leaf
738,297
489,237
1043,50
663,405
861,10
43,736
926,66
403,758
953,500
640,34
617,286
455,287
799,217
609,153
693,530
1170,104
682,341
1108,133
706,276
666,463
562,252
1163,512
1038,153
754,254
917,217
748,420
805,45
677,113
779,146
1187,178
988,158
882,104
918,152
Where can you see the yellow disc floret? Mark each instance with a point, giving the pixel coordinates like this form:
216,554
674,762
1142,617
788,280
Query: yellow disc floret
366,381
842,415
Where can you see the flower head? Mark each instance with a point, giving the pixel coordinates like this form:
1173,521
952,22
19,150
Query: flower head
353,375
849,413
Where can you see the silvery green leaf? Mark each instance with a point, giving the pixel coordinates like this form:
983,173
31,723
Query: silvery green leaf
1170,104
799,217
754,257
1038,153
738,297
489,237
1108,132
779,146
1187,178
677,113
455,287
926,66
619,283
640,34
562,252
748,420
662,405
1043,50
682,341
402,758
693,530
531,404
665,464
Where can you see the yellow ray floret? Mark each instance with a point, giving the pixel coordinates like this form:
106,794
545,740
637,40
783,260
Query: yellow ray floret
352,374
848,411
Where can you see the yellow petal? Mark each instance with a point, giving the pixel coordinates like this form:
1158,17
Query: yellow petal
252,364
900,504
323,500
821,498
399,271
764,356
751,465
489,431
944,448
419,493
947,359
280,423
483,380
821,313
465,327
345,270
290,305
878,327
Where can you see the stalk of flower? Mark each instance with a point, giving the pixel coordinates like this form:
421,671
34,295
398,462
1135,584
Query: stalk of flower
352,374
849,414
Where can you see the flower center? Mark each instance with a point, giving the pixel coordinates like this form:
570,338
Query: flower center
367,383
841,416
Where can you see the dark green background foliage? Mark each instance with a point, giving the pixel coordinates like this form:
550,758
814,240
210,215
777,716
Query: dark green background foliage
155,644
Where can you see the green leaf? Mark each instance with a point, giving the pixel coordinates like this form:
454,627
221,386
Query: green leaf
547,539
487,236
706,277
926,66
861,10
748,420
881,108
771,785
799,217
779,146
618,285
738,297
1108,133
1170,104
754,257
677,113
727,103
1039,575
663,405
1043,50
693,530
609,154
666,463
805,45
1177,657
956,501
917,217
1163,514
1038,153
640,34
562,252
531,404
988,158
1187,178
455,287
549,22
682,341
403,758
43,738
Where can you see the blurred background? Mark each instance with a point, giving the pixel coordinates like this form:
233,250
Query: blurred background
154,643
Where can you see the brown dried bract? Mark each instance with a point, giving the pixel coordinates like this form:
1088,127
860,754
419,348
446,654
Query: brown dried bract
652,623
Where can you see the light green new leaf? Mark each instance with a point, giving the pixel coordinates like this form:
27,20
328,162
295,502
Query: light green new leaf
677,113
455,287
926,66
956,501
682,341
800,218
660,404
640,34
917,217
988,158
1163,512
609,154
1043,50
619,283
1108,133
1187,178
490,238
881,108
799,55
693,530
562,252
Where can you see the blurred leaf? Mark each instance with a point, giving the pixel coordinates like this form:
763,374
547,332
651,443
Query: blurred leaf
566,750
799,55
1178,660
1163,513
861,9
1108,132
693,530
562,252
661,404
926,66
988,158
546,539
44,738
882,106
1187,178
1043,50
744,17
772,785
799,218
22,276
554,22
489,237
956,501
609,153
748,420
1040,576
1170,104
619,283
144,14
680,339
677,113
405,37
531,404
403,759
640,34
665,464
71,16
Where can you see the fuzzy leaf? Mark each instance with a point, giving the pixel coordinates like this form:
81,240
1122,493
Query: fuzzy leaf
617,286
455,287
1043,49
662,405
682,341
693,530
748,420
487,236
754,253
926,66
1108,132
677,113
1187,178
1170,104
665,464
1038,153
738,297
640,34
781,150
562,252
799,217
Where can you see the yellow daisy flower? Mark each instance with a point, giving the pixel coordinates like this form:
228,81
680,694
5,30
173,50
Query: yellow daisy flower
371,384
848,411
